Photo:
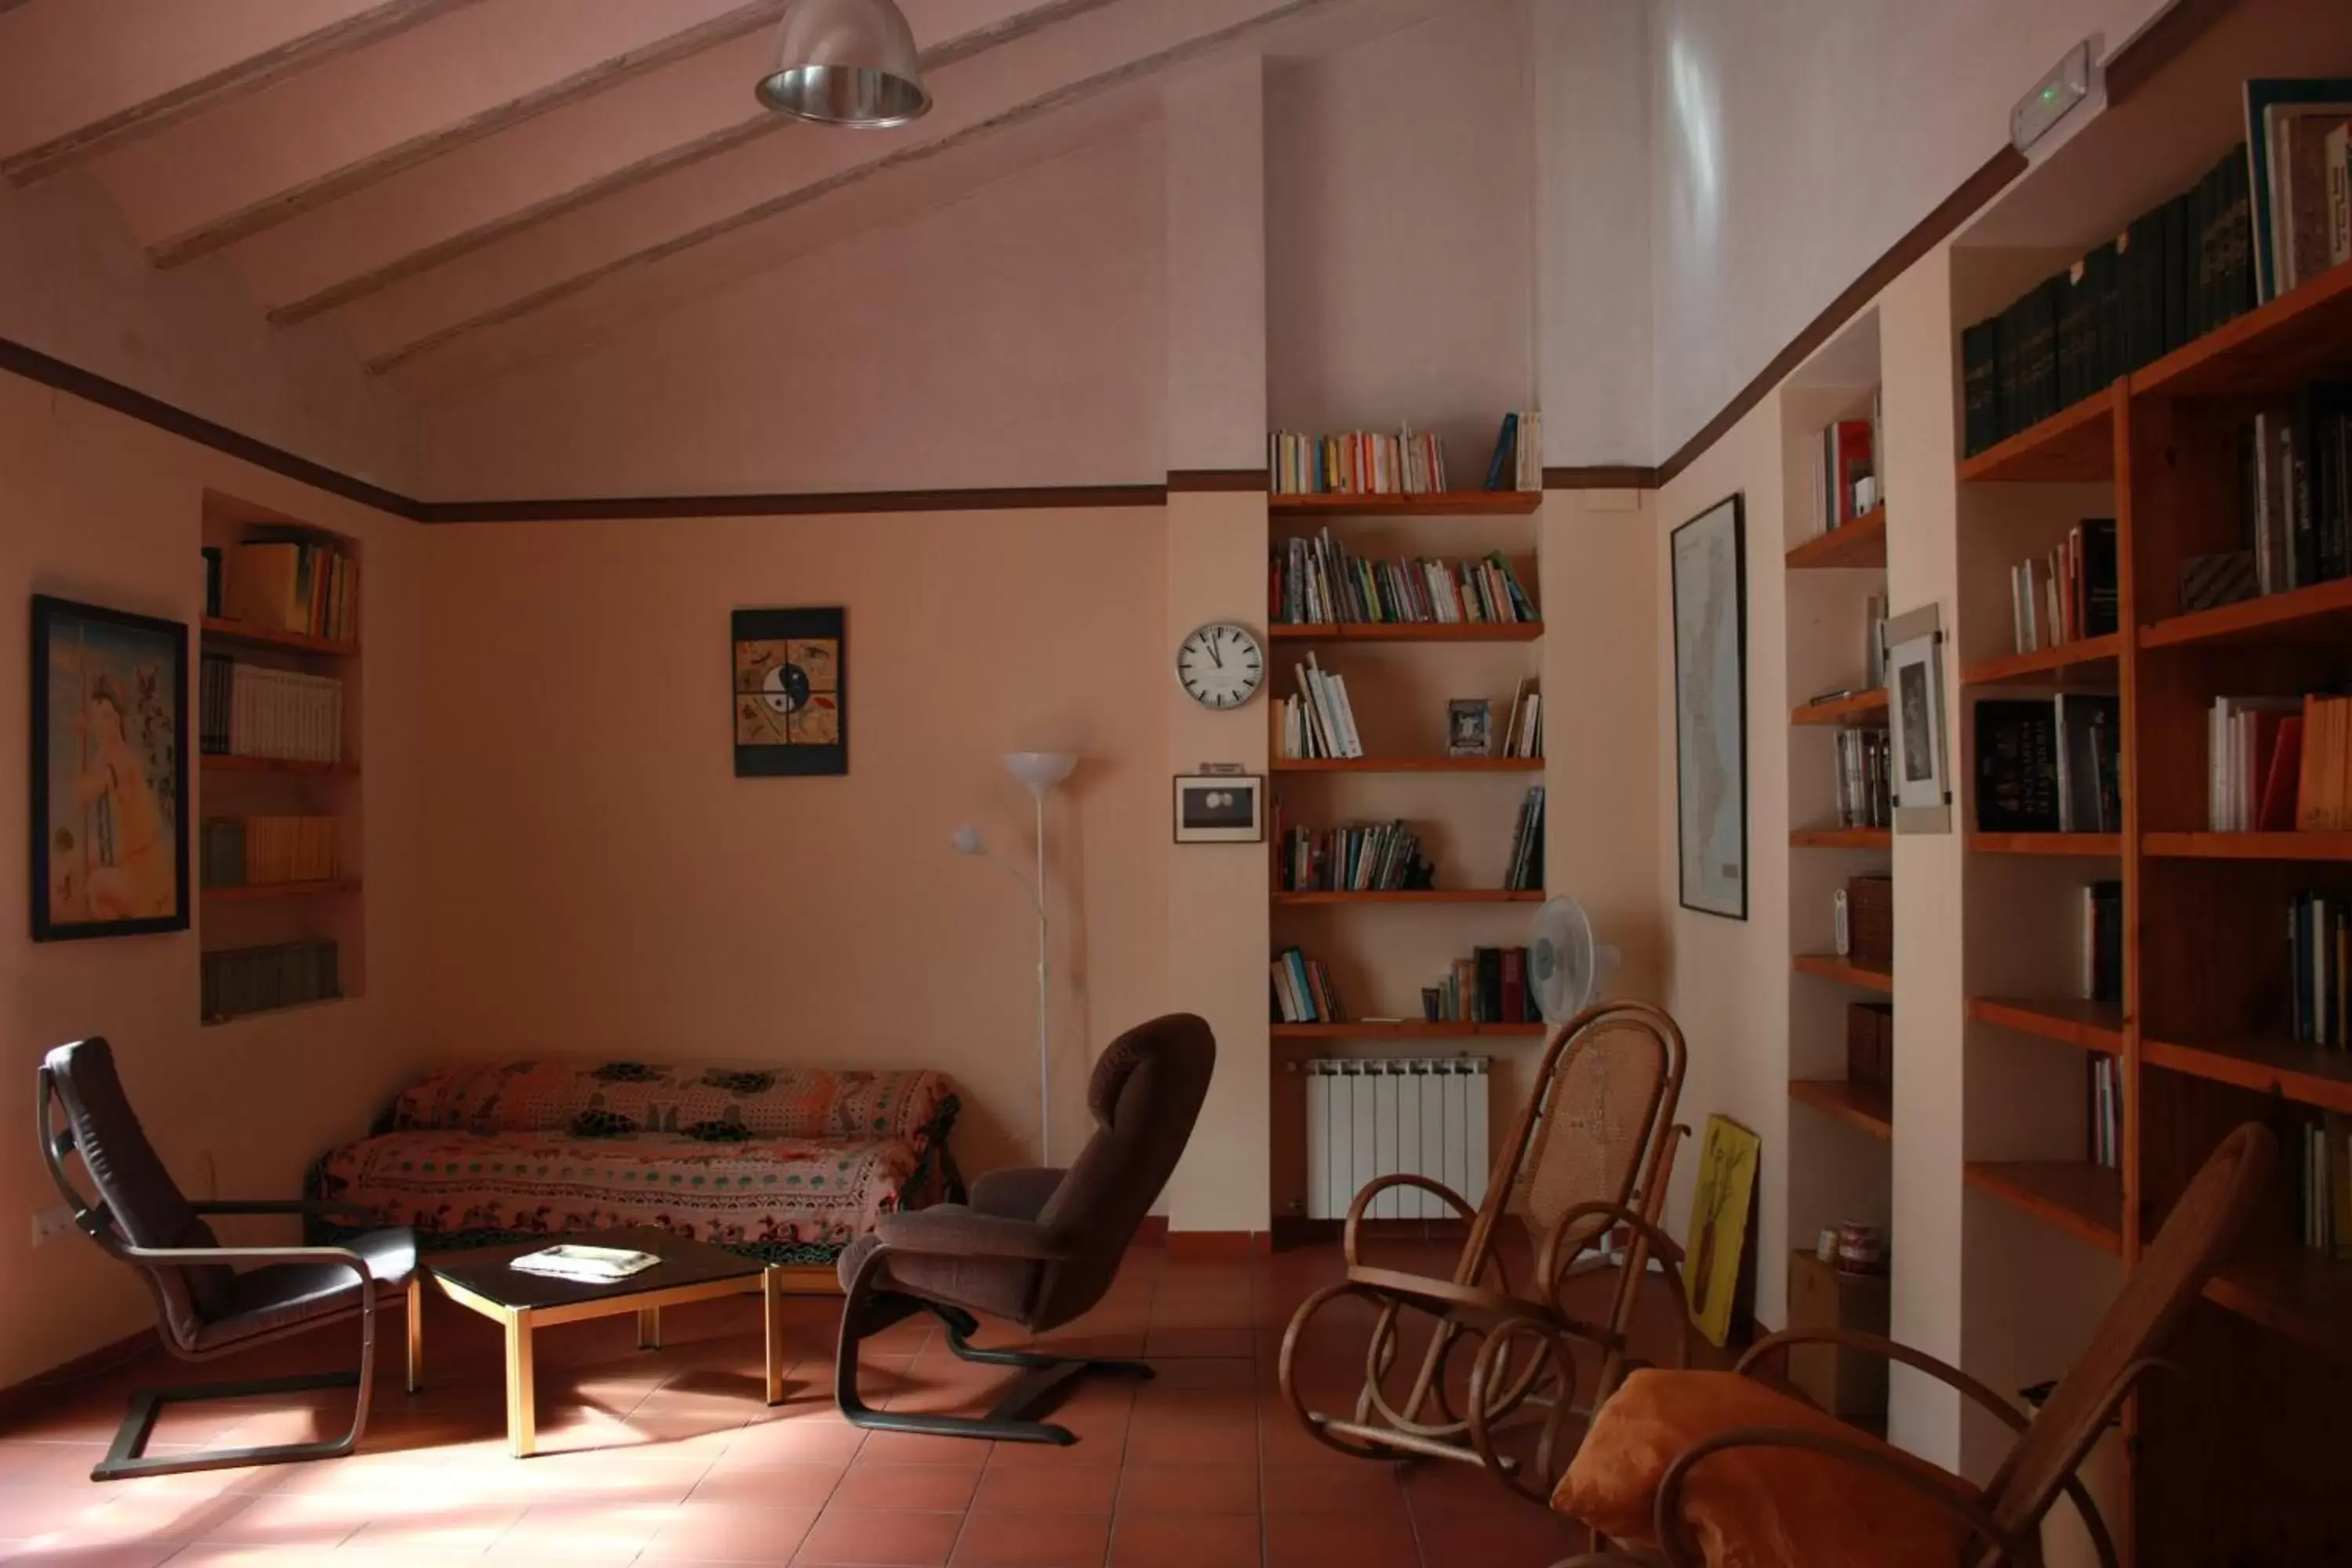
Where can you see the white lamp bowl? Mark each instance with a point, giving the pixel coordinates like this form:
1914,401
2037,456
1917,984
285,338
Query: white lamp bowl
1041,771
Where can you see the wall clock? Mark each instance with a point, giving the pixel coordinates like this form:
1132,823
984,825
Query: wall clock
1220,665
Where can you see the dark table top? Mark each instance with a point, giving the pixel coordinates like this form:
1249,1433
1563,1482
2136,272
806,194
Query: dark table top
484,1270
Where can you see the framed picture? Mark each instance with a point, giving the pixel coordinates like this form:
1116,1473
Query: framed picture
791,692
1711,709
110,787
1469,727
1721,1202
1220,808
1922,765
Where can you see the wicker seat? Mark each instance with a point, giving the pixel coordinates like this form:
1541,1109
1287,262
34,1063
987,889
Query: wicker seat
1589,1155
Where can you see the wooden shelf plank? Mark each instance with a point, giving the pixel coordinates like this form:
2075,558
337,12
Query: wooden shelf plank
2311,1075
215,762
1860,545
1410,1029
1841,838
2303,334
1406,765
2076,844
2093,1025
2317,613
257,892
248,636
1408,631
2093,657
2084,1200
1851,709
218,1019
2303,1294
1412,896
2076,443
1829,966
1444,503
2249,845
1856,1105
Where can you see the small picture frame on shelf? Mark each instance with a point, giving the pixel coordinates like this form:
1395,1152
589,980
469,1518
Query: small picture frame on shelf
1220,808
1469,727
1914,697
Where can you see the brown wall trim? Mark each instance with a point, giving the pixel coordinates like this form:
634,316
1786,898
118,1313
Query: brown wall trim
58,1381
2164,40
1186,482
1152,1231
1601,477
1219,1243
818,503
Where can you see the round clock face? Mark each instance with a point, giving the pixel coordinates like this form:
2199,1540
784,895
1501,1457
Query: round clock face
1220,665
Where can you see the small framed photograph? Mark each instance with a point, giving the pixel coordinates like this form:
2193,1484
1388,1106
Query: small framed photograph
1469,727
1922,763
1223,808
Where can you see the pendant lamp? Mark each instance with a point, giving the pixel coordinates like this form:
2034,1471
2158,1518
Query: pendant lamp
845,62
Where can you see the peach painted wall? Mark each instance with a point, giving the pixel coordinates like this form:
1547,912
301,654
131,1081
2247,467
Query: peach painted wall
108,510
603,883
1010,338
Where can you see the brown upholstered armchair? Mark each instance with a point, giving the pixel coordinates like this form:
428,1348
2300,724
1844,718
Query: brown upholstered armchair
1035,1246
204,1308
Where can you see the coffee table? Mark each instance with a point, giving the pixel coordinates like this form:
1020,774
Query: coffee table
524,1303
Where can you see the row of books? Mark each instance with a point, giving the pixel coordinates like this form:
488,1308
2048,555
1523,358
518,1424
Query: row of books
1517,462
292,584
1303,992
1865,794
1362,462
1523,736
1846,480
2297,130
253,710
1490,986
1526,873
2294,496
255,851
1382,856
2279,765
2319,966
2103,942
1316,582
2049,764
2104,1105
2069,594
1318,721
2324,1197
241,980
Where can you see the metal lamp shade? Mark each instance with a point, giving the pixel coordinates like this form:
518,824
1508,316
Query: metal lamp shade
845,62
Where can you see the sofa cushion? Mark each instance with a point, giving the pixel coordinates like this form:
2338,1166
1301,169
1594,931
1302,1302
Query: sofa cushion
622,1098
768,1192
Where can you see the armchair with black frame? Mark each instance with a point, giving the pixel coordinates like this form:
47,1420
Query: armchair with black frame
204,1309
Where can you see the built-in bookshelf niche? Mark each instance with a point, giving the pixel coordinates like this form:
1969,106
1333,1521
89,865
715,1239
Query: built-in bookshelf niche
278,823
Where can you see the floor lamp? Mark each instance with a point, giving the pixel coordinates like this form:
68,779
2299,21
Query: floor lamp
1041,771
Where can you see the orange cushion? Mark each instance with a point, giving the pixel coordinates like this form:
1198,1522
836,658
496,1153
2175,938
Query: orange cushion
1749,1507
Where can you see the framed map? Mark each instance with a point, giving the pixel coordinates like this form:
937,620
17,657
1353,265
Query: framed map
791,693
1711,709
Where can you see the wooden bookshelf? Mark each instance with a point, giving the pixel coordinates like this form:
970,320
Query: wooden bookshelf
1857,1105
1841,838
2084,1200
2076,443
1829,966
1860,708
1406,765
1406,1030
2297,1294
213,763
2088,658
262,892
2077,845
2201,845
2304,335
2091,1025
1860,545
2309,1075
2319,614
1444,503
1407,631
241,634
1412,896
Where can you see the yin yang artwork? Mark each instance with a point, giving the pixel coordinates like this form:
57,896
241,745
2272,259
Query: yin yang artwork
791,692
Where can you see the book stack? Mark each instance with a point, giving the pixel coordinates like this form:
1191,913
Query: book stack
1302,992
1315,581
1360,857
1524,736
2323,799
2070,593
2103,942
1490,986
1517,462
296,584
2319,961
1865,796
245,851
252,710
2325,1196
1362,462
2295,462
1318,721
2105,1105
236,981
1527,869
2049,764
2300,166
2253,750
1846,481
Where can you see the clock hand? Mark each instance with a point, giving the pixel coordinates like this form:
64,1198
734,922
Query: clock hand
1214,657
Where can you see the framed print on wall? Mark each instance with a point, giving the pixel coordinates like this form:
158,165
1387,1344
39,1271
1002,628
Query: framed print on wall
110,785
1711,709
1921,762
1220,808
791,692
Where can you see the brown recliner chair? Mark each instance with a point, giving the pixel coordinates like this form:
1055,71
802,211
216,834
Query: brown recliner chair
203,1307
1037,1246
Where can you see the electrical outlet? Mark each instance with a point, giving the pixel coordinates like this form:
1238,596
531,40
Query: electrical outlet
50,1223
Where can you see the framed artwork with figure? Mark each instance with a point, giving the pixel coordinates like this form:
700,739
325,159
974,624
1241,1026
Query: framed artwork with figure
110,785
1711,709
791,693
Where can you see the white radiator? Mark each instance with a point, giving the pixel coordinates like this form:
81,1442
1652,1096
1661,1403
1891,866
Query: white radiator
1371,1118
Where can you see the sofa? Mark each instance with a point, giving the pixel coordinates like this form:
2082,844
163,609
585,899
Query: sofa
787,1164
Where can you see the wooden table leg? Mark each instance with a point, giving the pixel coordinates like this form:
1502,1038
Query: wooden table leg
522,1408
649,1328
415,1334
772,1304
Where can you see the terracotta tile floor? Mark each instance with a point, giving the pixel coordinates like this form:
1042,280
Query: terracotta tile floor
666,1456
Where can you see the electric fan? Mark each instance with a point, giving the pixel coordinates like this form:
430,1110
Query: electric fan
1569,968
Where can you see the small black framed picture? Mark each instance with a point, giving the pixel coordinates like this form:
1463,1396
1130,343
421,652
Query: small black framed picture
791,693
110,785
1220,808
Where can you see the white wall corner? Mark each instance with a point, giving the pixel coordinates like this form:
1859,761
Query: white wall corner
1215,161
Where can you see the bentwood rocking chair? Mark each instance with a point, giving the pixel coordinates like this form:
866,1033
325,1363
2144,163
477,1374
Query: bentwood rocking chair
204,1309
1588,1159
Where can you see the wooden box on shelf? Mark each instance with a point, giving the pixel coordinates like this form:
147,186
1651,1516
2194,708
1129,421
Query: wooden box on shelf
1870,910
1848,1385
1870,1044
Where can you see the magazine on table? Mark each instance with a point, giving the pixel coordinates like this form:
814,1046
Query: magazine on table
588,1265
